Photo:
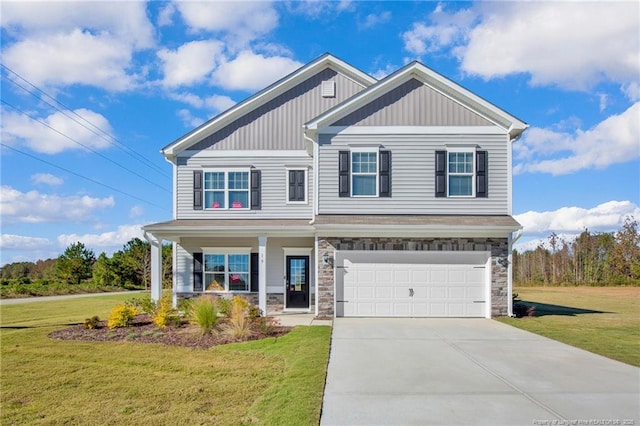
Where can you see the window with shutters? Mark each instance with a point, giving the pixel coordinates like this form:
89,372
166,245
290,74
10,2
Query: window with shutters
226,271
364,172
461,172
296,186
228,189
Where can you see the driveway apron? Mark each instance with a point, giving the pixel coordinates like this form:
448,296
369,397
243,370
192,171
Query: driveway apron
388,371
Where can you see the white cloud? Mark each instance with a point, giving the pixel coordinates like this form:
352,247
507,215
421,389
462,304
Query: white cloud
241,21
554,42
35,207
631,91
373,20
318,9
614,140
608,216
252,71
20,129
529,244
219,103
165,16
46,179
64,43
383,72
189,120
190,63
20,242
112,239
136,211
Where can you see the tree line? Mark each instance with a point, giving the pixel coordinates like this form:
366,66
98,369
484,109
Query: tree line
592,259
126,268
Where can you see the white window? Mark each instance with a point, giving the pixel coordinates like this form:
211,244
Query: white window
228,189
226,271
364,173
460,173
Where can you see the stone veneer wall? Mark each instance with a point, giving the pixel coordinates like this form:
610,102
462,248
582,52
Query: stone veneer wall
497,246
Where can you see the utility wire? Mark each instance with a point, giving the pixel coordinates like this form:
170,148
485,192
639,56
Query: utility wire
81,144
95,129
81,176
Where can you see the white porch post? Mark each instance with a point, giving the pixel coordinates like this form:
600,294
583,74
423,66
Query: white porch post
156,266
262,273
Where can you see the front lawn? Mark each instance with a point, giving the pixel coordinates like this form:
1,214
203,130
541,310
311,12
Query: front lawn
272,381
603,320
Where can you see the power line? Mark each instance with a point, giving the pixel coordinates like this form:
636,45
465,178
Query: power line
95,129
81,176
81,144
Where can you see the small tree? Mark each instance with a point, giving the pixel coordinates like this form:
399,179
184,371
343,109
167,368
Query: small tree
103,271
75,264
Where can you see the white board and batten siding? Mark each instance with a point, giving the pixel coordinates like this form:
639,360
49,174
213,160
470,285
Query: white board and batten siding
395,284
413,175
274,186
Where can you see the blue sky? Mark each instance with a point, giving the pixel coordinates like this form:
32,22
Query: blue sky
91,91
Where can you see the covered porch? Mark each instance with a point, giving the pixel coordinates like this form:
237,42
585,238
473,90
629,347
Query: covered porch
269,261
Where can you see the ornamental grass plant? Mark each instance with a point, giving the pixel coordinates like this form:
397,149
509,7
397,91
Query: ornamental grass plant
204,313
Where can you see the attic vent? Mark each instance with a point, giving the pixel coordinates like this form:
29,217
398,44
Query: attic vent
329,89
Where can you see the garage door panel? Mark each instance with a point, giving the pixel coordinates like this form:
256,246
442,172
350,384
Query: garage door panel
410,289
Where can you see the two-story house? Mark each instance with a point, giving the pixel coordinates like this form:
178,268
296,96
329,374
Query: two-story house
333,193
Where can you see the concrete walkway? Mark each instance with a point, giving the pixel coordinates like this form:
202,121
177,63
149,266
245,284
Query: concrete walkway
469,372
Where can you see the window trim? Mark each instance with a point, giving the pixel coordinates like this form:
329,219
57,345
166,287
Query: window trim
226,189
473,174
306,185
226,251
370,150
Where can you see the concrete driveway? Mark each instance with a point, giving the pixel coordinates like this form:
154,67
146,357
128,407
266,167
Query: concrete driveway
385,371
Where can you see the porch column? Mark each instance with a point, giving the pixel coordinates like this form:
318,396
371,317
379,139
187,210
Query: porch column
156,266
262,273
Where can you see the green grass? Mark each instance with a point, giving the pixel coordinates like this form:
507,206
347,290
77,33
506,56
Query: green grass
603,320
272,381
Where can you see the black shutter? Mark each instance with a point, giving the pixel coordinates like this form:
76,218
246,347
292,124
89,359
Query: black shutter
256,191
197,190
441,173
482,179
385,173
344,162
296,185
255,271
198,278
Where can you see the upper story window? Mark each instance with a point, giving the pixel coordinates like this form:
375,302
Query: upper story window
296,186
364,173
461,172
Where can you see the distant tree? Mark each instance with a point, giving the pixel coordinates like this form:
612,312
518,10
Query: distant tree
75,264
104,272
137,258
167,265
626,253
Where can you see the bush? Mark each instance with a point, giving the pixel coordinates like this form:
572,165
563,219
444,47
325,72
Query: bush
521,310
238,325
224,306
267,325
121,316
144,304
204,313
164,314
254,313
91,323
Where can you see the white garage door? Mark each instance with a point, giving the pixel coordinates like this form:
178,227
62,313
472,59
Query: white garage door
412,285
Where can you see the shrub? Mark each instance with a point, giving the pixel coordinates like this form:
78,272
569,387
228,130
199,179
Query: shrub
144,304
267,325
224,306
521,310
238,325
121,316
204,314
91,323
254,313
164,314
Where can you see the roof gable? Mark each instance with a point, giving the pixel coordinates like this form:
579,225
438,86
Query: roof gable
232,116
372,101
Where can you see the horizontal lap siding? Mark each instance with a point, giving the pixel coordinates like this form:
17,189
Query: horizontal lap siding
274,187
413,176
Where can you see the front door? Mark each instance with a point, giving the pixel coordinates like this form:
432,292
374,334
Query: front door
297,285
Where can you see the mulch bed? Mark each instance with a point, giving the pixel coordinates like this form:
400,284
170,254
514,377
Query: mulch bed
143,330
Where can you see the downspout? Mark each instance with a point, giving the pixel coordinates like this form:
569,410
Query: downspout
313,218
